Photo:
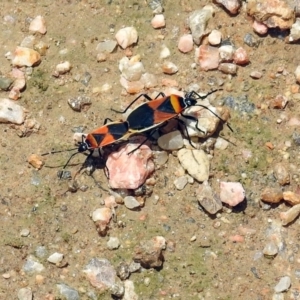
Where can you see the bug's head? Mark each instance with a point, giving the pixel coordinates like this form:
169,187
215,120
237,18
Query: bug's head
83,146
189,99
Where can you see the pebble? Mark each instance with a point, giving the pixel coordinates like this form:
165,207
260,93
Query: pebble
106,46
25,232
171,141
36,161
149,253
129,171
195,162
226,53
291,197
41,47
79,102
278,296
210,202
215,37
232,6
101,57
185,43
131,87
221,144
198,20
11,112
255,74
113,243
283,284
160,157
165,52
271,195
281,174
110,202
250,40
100,273
240,56
279,102
68,292
149,80
295,31
158,21
180,183
5,83
25,57
207,122
123,271
102,217
41,251
129,293
207,57
55,258
38,24
290,215
32,265
270,250
133,71
169,68
228,68
272,13
126,37
25,294
231,193
131,203
259,27
63,68
297,74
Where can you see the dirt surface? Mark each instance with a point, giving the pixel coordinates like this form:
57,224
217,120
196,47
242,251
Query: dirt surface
210,267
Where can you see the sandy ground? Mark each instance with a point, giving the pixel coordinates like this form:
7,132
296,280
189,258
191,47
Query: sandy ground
209,267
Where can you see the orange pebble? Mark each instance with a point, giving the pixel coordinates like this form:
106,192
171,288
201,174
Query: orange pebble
269,145
236,238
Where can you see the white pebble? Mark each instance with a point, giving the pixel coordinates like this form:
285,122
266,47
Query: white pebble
25,294
180,183
11,112
169,68
283,284
131,203
215,37
297,74
158,21
165,52
25,57
24,232
171,141
63,68
113,243
38,24
55,258
126,37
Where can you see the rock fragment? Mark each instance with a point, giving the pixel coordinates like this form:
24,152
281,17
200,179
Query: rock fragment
290,215
100,273
149,253
195,162
231,193
11,112
171,141
283,284
38,24
126,37
25,57
198,20
129,171
68,292
271,195
210,202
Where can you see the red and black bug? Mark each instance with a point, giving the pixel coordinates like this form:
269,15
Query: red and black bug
157,112
108,134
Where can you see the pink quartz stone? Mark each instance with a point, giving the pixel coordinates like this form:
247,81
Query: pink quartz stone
231,193
129,171
240,56
208,57
158,21
185,43
259,27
